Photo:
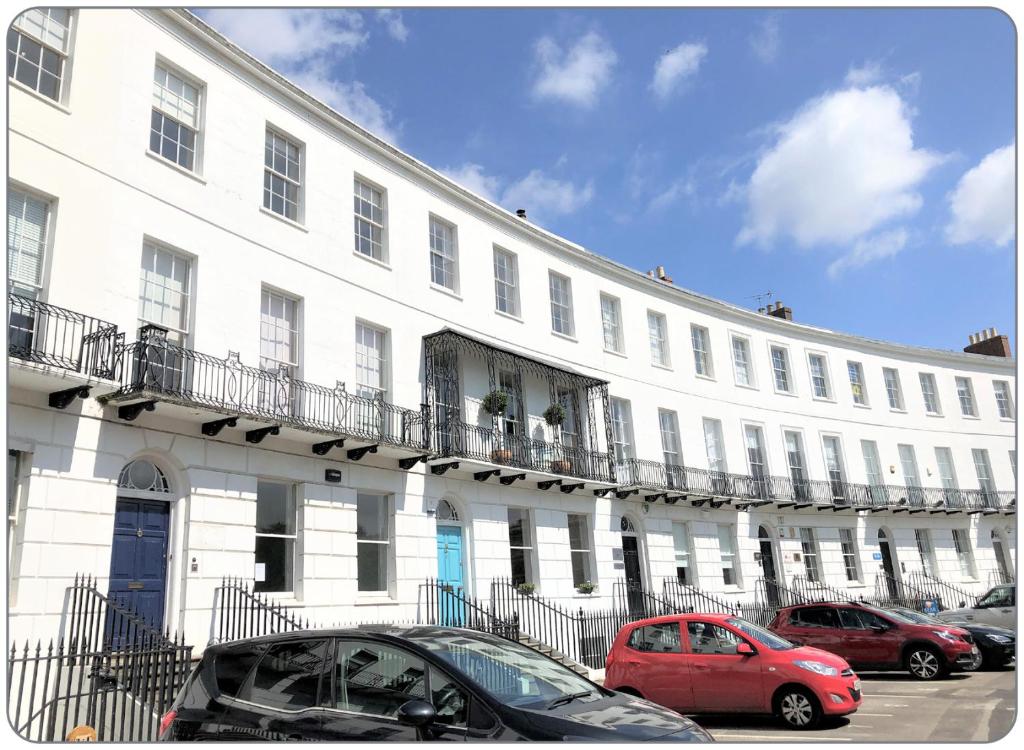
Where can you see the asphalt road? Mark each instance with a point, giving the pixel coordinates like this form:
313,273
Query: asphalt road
975,707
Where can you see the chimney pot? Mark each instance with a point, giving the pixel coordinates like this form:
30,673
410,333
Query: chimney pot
995,332
760,309
661,272
991,333
521,213
971,338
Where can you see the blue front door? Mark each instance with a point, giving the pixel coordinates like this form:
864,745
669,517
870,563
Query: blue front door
449,575
138,559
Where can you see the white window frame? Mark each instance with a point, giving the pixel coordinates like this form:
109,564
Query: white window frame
726,533
561,307
657,334
447,254
681,533
946,467
362,355
716,443
986,482
859,384
506,283
932,390
176,115
965,395
826,376
621,411
292,494
908,457
359,218
581,553
668,426
180,333
839,470
900,405
801,451
811,554
762,448
63,52
388,542
787,370
1005,409
274,134
273,364
529,543
748,354
702,355
964,553
611,323
851,556
31,288
926,552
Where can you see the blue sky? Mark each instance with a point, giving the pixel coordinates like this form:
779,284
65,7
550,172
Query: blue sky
858,163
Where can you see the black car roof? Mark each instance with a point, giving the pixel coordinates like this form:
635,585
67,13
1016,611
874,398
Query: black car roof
416,633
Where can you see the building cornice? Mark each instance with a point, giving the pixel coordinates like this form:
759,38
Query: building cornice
569,250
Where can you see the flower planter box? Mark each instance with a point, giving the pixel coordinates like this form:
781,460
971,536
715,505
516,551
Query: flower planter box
561,467
501,456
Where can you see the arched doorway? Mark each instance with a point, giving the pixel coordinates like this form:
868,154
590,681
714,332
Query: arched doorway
768,571
889,568
633,565
999,549
138,553
451,576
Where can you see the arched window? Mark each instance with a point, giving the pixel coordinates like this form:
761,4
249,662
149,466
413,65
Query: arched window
446,512
142,475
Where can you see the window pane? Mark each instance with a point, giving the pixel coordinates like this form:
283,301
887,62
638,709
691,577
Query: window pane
375,679
372,518
288,677
275,508
372,566
275,557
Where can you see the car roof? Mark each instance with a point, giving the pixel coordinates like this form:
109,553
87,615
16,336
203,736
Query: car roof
687,616
415,633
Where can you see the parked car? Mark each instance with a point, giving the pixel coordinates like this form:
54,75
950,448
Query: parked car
997,607
997,646
403,684
697,663
872,639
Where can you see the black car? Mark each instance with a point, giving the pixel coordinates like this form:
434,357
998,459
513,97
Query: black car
997,645
404,684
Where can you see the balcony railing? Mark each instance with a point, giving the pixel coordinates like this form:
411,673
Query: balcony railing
687,480
458,439
49,335
155,367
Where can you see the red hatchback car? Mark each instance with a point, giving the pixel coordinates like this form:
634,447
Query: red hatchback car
874,639
698,663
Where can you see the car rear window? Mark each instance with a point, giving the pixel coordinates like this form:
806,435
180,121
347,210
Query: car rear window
233,665
662,638
814,617
288,677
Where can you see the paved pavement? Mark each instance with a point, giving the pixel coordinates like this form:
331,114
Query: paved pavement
975,707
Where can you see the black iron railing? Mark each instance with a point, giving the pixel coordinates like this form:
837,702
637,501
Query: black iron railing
999,577
153,366
687,598
49,335
639,603
815,591
442,604
105,622
458,439
945,594
242,613
119,693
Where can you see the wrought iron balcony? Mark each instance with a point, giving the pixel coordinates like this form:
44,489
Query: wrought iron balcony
687,481
154,368
461,440
45,334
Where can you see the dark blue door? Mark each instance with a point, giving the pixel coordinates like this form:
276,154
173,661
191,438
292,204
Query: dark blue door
138,560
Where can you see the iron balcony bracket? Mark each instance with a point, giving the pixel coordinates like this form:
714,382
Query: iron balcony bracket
483,476
440,469
832,508
548,484
62,399
256,436
673,499
511,478
917,510
601,493
798,506
130,411
567,488
951,511
877,510
786,505
357,454
407,463
322,449
761,503
974,512
211,429
742,506
718,504
652,498
623,494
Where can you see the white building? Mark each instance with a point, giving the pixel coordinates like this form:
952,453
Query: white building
182,252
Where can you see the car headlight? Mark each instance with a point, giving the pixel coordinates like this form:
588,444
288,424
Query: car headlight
947,636
817,667
999,638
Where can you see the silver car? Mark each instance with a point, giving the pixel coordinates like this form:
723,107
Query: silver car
997,607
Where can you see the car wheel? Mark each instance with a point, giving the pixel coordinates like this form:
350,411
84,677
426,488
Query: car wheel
976,663
925,664
798,708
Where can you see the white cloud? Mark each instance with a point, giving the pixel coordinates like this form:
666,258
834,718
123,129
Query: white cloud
392,20
577,75
472,177
281,36
304,45
676,67
545,197
866,74
868,249
684,187
840,168
765,42
982,204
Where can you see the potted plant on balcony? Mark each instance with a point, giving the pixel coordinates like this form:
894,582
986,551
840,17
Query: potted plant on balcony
526,589
554,415
586,588
495,403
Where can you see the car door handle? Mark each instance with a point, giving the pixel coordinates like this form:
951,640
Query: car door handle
701,665
633,662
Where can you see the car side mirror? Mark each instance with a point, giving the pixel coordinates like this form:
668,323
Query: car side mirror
745,649
963,604
416,714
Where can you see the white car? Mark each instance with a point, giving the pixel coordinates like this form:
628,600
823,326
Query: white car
997,607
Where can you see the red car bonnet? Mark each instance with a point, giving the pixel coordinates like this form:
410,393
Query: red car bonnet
810,653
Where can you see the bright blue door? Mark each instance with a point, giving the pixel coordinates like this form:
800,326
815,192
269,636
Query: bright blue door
138,559
449,575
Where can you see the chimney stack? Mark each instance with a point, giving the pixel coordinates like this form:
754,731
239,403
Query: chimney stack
521,213
785,313
660,272
989,343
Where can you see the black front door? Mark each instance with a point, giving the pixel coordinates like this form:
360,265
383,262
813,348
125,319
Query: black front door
634,576
888,567
768,567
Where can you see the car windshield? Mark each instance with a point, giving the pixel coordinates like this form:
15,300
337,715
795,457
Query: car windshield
1001,596
892,615
759,634
909,615
510,672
